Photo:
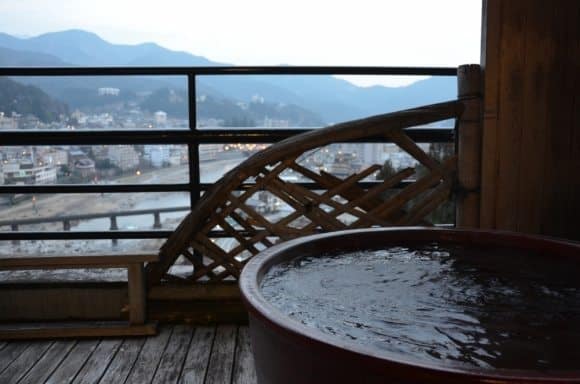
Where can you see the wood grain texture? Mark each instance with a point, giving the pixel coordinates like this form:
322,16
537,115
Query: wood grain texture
11,353
531,156
23,363
73,362
221,360
120,367
48,362
490,62
539,56
512,111
146,365
22,331
65,262
95,367
137,294
196,363
181,354
244,368
172,361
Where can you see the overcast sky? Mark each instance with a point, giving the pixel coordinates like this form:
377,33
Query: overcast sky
272,32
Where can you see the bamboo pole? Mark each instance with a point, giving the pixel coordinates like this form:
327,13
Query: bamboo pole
469,146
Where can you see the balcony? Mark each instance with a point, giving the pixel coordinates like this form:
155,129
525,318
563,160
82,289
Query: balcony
508,170
194,285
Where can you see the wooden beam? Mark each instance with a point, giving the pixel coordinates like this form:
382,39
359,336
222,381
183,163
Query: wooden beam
72,262
137,295
490,64
206,292
23,331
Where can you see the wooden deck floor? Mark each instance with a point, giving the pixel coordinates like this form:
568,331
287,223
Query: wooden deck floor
178,354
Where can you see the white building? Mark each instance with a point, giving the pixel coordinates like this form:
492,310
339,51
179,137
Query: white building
123,156
166,155
8,122
108,91
53,156
160,118
29,173
158,155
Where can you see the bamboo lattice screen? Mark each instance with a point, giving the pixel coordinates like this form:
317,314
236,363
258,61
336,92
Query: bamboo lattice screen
241,214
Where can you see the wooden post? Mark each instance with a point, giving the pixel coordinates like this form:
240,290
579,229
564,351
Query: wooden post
469,146
137,296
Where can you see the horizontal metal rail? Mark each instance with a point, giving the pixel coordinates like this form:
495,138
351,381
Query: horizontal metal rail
90,216
185,136
138,188
191,136
227,70
83,235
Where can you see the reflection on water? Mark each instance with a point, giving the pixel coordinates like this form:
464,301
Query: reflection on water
487,308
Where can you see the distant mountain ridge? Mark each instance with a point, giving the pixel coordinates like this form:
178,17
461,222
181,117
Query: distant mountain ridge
330,98
27,99
83,48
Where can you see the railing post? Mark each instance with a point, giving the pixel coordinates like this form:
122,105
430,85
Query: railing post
66,225
157,221
14,228
113,227
469,146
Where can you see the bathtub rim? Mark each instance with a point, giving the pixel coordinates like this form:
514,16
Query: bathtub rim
260,309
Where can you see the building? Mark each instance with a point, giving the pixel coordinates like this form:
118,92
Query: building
124,157
160,118
8,122
157,155
108,91
167,155
209,151
85,168
53,156
29,173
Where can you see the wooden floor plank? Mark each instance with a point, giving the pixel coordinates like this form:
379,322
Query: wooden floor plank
49,362
148,360
123,362
98,362
10,353
179,354
172,361
74,362
197,359
23,363
221,360
244,369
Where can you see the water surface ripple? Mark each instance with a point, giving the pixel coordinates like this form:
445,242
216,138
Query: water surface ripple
487,308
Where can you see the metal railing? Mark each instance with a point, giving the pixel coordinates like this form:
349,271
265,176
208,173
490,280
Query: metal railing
192,137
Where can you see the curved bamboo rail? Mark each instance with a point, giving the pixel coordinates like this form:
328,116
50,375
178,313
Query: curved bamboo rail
224,207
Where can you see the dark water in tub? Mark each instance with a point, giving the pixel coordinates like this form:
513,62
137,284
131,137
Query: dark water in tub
440,304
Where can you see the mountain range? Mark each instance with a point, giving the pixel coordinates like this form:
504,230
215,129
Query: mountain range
323,99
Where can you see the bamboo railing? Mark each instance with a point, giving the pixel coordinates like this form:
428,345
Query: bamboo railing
338,203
